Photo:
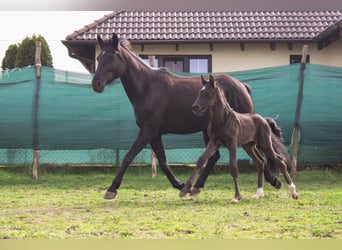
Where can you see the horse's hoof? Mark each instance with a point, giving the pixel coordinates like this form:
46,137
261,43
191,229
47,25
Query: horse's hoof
110,195
195,191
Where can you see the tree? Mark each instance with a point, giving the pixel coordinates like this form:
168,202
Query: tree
8,62
25,53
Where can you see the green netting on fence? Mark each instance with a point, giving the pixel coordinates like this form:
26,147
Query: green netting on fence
76,125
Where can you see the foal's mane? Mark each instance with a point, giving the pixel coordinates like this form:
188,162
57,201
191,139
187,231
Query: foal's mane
222,98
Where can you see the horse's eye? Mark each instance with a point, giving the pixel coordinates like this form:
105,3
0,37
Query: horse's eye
204,93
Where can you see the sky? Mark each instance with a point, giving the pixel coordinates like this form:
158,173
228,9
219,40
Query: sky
54,26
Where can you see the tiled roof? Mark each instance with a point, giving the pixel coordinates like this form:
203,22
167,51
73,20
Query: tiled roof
210,25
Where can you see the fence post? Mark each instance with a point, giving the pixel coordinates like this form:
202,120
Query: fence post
35,162
153,155
295,138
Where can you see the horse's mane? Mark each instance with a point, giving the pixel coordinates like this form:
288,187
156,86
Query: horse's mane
128,47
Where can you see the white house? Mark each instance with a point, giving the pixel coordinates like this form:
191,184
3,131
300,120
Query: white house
216,41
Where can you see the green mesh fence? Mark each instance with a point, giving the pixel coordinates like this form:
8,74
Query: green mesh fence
78,126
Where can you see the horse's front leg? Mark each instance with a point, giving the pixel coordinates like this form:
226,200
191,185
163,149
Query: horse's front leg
140,142
158,148
234,172
209,151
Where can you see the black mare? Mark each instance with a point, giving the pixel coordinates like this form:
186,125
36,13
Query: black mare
162,104
231,129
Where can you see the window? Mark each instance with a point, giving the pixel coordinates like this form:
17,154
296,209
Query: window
298,58
199,65
186,63
174,64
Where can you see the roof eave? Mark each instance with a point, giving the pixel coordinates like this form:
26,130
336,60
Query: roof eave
330,35
137,42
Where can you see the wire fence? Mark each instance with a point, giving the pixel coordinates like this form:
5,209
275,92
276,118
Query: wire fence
77,126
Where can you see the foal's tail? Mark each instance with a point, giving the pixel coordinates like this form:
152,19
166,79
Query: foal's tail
278,146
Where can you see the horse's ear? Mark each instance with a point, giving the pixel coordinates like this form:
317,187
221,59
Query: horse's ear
203,80
115,41
211,80
99,40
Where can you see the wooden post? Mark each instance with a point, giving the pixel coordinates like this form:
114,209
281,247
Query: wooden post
295,138
294,151
38,63
153,155
153,164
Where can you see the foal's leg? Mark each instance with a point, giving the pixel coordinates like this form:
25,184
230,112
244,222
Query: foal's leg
259,164
209,151
207,169
290,184
234,172
271,153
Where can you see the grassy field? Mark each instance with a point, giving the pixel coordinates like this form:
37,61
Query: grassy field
69,204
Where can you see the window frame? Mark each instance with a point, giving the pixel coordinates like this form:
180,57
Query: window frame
297,58
185,58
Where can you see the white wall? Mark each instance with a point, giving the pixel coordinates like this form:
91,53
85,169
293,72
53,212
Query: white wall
331,55
229,57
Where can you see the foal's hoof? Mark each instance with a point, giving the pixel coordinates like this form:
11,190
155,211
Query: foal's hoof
195,191
259,194
236,199
110,195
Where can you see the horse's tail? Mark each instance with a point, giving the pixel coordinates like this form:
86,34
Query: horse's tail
278,146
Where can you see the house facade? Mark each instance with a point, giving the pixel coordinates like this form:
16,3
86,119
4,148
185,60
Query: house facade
216,41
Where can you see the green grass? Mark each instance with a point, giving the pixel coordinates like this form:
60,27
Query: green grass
69,204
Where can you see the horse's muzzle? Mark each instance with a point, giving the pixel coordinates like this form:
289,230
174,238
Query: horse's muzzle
197,110
97,86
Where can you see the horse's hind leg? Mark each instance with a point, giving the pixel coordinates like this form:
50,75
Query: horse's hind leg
269,177
270,153
259,164
290,184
